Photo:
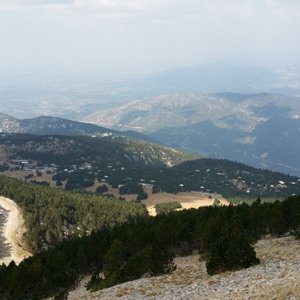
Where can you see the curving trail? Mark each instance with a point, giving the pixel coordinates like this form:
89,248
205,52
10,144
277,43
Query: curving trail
12,229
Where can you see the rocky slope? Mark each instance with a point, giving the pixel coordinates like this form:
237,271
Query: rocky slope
225,110
276,277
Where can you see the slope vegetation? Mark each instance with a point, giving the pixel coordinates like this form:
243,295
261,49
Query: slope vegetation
52,215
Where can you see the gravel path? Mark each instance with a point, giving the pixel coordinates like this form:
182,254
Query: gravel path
11,232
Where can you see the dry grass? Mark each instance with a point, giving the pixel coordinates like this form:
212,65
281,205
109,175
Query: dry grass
123,291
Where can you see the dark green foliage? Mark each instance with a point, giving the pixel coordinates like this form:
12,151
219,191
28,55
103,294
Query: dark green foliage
228,178
231,250
42,183
101,189
58,183
142,196
278,223
4,167
80,179
296,232
123,264
167,207
131,187
28,176
38,173
147,246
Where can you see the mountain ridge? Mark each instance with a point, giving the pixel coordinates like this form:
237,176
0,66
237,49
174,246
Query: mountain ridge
49,125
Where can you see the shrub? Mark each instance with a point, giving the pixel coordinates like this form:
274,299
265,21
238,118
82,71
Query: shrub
101,189
167,207
231,251
131,188
142,196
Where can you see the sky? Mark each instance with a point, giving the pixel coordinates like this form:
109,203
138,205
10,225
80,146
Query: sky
144,36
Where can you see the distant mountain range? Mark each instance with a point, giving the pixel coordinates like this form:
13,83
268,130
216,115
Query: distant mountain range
260,129
46,125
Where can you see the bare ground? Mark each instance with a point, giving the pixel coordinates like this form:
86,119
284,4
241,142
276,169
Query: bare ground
11,233
186,199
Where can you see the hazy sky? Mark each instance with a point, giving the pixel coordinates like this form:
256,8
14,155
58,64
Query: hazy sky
122,36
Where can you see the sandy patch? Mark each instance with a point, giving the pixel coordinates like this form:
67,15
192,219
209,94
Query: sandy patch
13,229
187,200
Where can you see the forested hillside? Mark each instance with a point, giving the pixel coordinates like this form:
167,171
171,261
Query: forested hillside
52,215
77,150
82,162
127,252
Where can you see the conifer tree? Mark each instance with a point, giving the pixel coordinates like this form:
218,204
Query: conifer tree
231,250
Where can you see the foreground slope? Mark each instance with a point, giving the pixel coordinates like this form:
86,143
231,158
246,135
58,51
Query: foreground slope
277,277
147,246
